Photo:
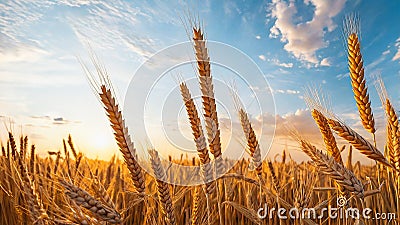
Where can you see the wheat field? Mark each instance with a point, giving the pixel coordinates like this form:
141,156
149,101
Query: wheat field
66,187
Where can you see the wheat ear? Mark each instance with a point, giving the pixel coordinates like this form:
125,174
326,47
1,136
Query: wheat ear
85,200
356,68
275,180
32,161
100,191
36,211
199,138
344,177
3,151
195,208
164,194
358,141
207,90
103,88
252,142
13,145
329,139
393,124
389,144
330,142
392,127
71,145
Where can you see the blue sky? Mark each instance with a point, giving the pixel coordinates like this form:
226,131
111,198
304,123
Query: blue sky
294,43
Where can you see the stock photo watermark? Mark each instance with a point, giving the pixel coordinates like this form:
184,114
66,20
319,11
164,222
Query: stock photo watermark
339,212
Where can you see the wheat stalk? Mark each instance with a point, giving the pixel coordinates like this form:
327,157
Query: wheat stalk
329,139
87,201
356,68
3,151
330,142
103,88
195,208
392,127
71,145
275,180
36,211
252,142
358,142
344,177
13,145
389,144
101,192
349,163
207,90
80,217
199,138
163,188
394,140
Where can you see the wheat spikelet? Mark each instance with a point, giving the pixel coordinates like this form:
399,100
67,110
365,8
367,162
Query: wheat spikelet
207,90
123,138
252,142
329,139
87,201
195,208
358,142
13,145
393,128
275,180
104,89
25,146
199,138
67,159
389,145
36,212
163,188
58,157
356,68
344,177
3,151
80,217
71,145
21,145
100,191
8,149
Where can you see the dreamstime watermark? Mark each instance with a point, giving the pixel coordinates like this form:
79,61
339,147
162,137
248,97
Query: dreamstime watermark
154,108
339,212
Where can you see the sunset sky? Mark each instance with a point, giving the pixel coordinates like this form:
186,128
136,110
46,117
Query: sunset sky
44,93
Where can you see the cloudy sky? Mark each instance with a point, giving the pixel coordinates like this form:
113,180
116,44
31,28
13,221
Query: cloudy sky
45,94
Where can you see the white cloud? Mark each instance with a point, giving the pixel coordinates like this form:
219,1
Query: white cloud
288,91
280,91
301,120
262,57
305,38
386,52
287,65
325,62
258,37
20,52
292,92
281,64
397,55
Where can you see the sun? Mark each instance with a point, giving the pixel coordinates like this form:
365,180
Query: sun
101,142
